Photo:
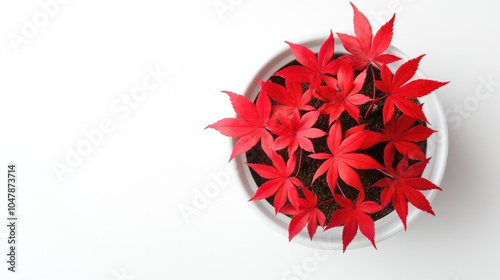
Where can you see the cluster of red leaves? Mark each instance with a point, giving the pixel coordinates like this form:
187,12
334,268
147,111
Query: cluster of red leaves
283,118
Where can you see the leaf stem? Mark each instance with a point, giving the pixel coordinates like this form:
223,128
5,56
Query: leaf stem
341,191
385,173
300,163
380,98
325,201
374,99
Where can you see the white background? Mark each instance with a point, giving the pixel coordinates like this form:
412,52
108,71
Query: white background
116,214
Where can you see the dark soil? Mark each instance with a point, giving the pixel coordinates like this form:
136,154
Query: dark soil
309,166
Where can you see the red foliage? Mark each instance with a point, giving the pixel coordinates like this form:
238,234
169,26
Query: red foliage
250,127
313,69
404,185
343,94
307,214
289,121
353,216
343,158
289,98
402,134
399,93
363,47
295,130
280,182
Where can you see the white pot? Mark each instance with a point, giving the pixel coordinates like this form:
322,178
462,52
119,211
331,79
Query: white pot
437,148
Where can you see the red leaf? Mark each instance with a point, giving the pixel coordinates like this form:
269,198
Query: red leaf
297,223
290,97
313,69
296,73
405,72
400,92
401,136
326,51
343,94
382,41
365,48
386,59
279,183
362,29
251,127
343,158
304,56
354,216
307,214
404,186
295,131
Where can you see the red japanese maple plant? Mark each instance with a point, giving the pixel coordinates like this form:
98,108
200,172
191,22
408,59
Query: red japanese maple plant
344,119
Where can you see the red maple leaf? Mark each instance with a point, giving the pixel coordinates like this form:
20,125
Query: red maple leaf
364,48
343,94
288,98
313,69
401,136
307,214
344,158
250,127
279,182
354,216
294,131
399,93
405,185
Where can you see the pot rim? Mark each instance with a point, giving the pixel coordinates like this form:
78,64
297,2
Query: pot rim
437,148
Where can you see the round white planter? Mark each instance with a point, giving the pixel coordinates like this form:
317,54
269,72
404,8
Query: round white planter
437,148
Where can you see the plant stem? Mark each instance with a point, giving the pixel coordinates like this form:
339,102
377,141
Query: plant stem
300,163
326,201
331,199
385,173
374,99
341,191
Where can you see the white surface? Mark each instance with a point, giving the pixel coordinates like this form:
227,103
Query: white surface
116,215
